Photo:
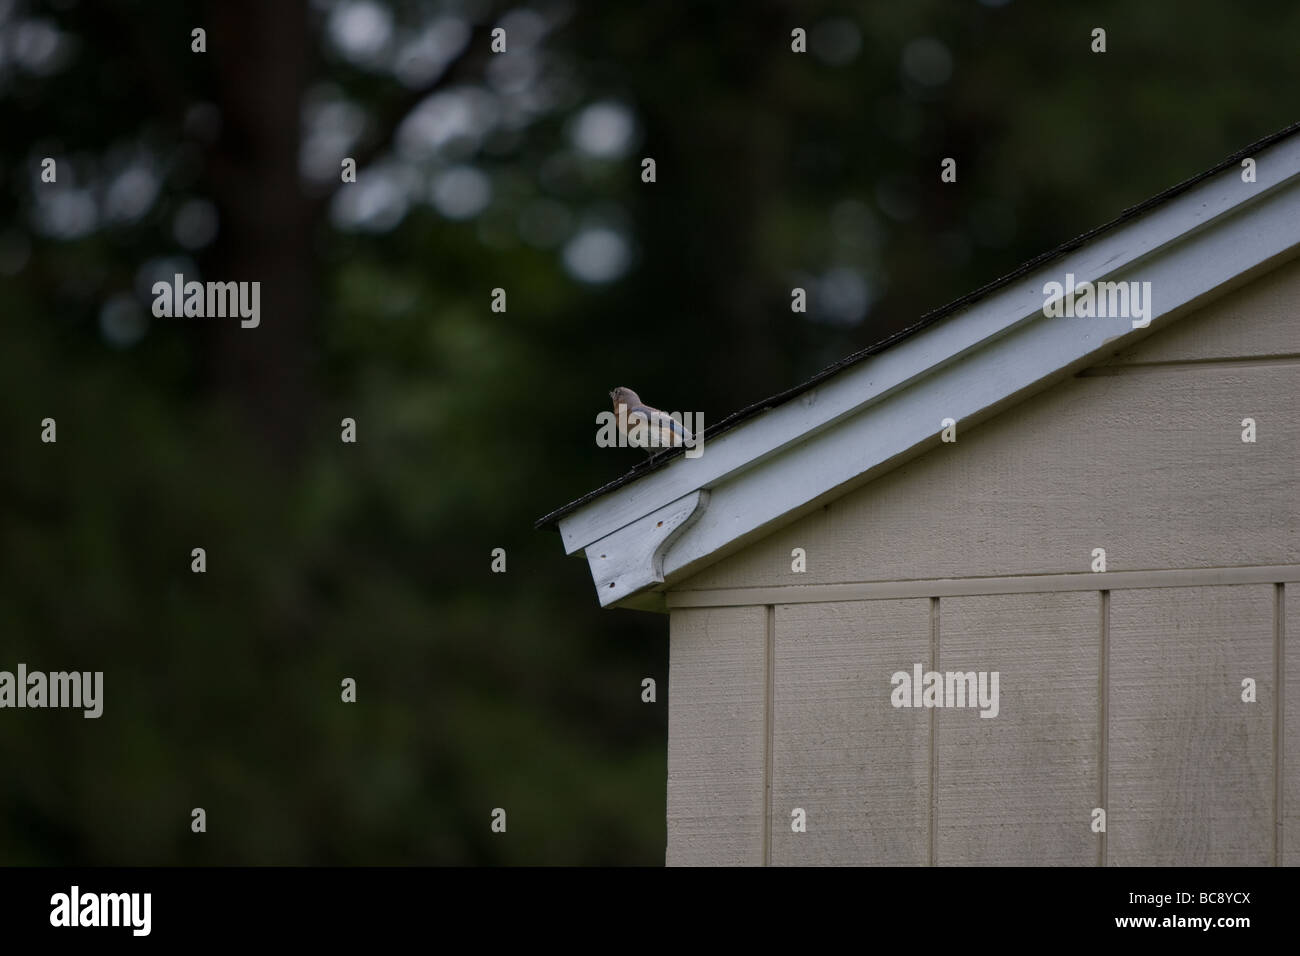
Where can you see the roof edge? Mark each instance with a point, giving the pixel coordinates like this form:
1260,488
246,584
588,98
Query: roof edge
664,457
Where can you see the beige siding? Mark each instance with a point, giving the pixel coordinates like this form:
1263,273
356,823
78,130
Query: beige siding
1094,462
1289,838
717,686
1191,775
1019,788
1191,766
1258,320
1139,711
859,768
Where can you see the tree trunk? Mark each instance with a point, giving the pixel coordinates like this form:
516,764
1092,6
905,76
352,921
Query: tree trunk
259,56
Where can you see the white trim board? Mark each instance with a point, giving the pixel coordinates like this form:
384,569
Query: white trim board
875,414
966,587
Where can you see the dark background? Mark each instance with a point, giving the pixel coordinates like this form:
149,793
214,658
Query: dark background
522,171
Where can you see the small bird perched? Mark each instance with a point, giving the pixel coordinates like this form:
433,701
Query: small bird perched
660,430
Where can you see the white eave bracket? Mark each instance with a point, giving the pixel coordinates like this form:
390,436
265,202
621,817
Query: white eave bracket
632,558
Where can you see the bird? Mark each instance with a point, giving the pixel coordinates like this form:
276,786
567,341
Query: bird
660,430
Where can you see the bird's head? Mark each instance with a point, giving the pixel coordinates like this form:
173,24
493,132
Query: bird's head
624,396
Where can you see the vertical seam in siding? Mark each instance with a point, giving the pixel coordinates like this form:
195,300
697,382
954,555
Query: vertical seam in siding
934,794
1103,723
1279,720
769,665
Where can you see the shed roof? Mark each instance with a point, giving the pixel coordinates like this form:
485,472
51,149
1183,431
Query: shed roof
1189,241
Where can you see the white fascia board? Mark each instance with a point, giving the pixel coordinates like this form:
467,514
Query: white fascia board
890,404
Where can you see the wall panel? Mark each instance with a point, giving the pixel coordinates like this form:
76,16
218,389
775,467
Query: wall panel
1019,788
716,739
1191,766
859,768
